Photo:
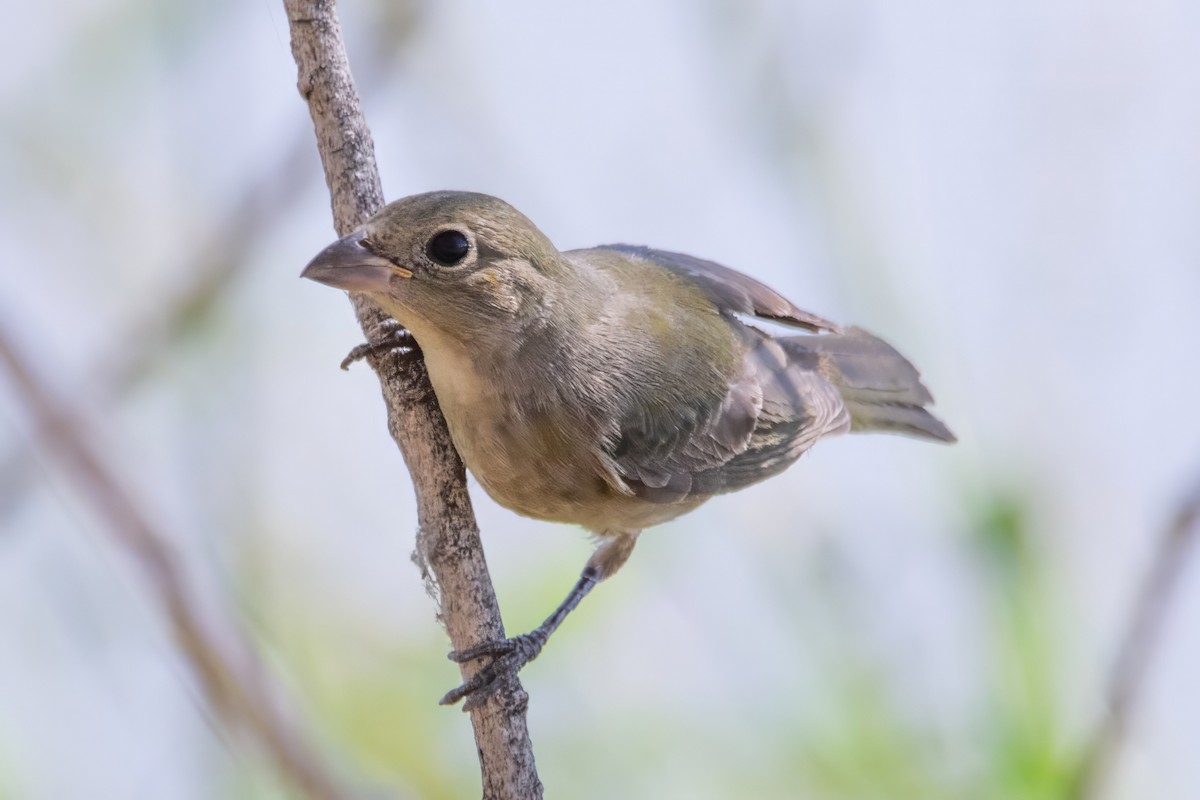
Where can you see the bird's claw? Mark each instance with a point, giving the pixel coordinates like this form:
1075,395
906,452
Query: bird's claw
395,337
507,656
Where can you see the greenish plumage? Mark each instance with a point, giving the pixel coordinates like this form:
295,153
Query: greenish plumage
615,387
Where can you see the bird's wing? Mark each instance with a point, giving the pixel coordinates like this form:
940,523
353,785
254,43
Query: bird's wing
729,290
694,447
741,427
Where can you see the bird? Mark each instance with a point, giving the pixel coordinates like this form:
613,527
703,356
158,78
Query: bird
614,387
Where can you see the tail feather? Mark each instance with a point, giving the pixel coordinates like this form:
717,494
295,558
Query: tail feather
881,389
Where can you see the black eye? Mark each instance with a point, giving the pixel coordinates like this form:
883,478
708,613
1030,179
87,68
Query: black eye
448,247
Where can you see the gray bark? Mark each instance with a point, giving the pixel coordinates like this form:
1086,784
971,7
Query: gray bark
448,550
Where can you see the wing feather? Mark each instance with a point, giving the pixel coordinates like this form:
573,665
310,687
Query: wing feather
768,419
752,424
730,290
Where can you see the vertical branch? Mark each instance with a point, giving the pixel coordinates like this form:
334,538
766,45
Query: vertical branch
448,551
1137,647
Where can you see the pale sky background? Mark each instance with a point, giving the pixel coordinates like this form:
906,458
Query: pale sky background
1009,192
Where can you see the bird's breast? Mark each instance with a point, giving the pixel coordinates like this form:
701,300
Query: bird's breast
532,454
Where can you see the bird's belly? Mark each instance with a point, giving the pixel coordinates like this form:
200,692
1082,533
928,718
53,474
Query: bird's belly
526,463
531,468
541,463
563,493
548,468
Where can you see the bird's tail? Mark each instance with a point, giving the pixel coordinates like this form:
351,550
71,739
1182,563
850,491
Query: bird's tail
881,389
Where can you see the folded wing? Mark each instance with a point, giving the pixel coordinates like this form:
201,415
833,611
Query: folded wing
751,427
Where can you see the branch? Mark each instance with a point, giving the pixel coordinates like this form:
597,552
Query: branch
1137,647
232,679
448,550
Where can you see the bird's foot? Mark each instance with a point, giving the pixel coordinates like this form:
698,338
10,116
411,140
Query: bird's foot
507,656
395,337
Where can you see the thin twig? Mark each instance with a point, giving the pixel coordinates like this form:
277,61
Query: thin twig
448,548
1137,648
232,679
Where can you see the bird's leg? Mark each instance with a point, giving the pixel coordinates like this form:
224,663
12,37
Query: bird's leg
510,655
395,337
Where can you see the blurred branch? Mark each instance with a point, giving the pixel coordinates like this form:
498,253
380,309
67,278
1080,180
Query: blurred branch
207,276
1137,647
233,681
212,269
448,548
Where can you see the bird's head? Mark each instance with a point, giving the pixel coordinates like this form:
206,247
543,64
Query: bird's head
458,263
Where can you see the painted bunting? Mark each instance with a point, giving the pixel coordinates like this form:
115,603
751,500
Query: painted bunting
615,387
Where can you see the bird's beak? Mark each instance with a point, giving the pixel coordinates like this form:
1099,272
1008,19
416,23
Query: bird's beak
347,264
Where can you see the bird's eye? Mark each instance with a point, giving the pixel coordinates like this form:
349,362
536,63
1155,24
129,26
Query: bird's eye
448,247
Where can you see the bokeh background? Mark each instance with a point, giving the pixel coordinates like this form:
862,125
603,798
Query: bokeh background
1008,191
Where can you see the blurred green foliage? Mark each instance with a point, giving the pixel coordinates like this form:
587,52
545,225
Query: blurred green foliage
375,699
1028,757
